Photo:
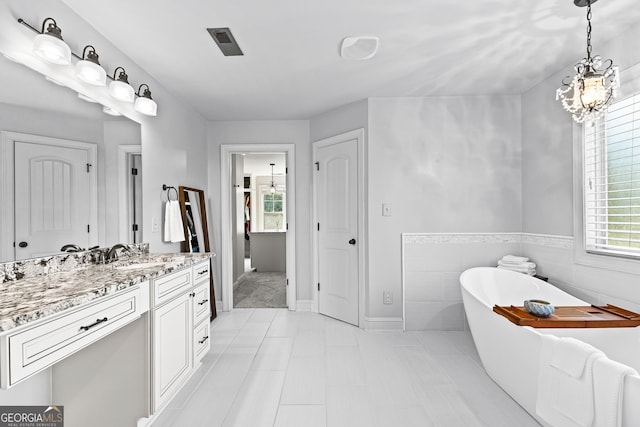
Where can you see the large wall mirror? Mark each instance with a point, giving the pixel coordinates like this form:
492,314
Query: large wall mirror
194,219
78,176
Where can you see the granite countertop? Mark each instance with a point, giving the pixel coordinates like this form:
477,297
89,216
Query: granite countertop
30,299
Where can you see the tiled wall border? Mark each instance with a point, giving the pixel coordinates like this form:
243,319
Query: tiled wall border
548,240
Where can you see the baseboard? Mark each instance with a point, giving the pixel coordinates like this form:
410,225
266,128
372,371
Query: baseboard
218,306
383,324
304,305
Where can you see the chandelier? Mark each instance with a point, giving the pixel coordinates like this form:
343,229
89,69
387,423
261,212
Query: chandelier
587,94
272,189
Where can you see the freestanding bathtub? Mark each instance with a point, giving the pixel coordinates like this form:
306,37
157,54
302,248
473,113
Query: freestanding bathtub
510,353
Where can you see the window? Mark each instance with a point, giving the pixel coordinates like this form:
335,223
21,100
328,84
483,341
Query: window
612,180
273,211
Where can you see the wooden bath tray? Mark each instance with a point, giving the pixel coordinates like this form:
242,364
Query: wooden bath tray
607,316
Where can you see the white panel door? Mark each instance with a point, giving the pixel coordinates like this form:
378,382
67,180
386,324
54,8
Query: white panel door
337,210
52,198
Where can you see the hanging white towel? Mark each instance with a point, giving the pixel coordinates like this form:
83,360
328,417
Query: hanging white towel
173,229
565,382
608,384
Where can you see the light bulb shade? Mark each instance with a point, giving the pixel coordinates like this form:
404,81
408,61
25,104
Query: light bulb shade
272,190
146,106
91,73
110,111
121,91
593,91
52,49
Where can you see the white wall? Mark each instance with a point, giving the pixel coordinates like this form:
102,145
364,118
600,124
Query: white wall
547,188
266,132
444,164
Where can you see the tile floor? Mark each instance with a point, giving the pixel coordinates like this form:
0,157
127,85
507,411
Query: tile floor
273,367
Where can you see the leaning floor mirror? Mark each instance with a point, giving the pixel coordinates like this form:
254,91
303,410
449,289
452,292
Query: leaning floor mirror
194,220
196,231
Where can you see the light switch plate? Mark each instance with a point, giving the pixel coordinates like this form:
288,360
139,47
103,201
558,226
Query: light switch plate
386,209
155,225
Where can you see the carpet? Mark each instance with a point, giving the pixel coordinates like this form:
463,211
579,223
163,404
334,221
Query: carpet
260,290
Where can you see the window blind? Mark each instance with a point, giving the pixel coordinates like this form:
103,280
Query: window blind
612,180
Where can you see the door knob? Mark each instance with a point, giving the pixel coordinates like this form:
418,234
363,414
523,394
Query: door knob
23,244
352,241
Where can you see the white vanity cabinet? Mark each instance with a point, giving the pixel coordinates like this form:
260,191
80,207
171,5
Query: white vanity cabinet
180,329
32,348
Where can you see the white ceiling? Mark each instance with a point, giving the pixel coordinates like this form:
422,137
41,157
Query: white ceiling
292,69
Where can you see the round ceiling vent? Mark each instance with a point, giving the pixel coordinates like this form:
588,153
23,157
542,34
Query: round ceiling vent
359,47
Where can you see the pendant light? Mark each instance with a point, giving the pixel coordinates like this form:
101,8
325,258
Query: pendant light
587,94
144,104
88,69
49,45
120,88
272,189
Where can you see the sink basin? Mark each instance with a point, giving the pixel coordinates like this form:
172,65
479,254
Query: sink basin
138,266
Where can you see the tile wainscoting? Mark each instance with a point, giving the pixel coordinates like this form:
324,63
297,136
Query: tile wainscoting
432,264
431,267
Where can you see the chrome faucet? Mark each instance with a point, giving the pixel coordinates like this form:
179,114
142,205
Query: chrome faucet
112,254
71,248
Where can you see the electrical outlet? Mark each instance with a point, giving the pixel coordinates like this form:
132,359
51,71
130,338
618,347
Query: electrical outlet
155,225
387,297
386,209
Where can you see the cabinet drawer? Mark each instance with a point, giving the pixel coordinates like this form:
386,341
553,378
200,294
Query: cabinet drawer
171,285
201,340
201,271
201,305
36,348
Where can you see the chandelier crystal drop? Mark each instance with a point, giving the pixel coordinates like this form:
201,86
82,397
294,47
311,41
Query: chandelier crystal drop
587,94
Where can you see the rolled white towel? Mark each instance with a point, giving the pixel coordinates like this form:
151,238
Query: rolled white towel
518,265
512,259
529,271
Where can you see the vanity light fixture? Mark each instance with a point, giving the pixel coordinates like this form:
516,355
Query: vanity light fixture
144,104
49,45
119,88
587,94
88,69
272,189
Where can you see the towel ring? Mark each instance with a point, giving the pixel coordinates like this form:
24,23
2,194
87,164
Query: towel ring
168,189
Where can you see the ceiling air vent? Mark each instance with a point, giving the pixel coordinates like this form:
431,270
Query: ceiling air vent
225,41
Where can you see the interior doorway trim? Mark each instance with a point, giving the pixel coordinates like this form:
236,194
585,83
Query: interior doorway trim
226,259
125,196
7,196
358,135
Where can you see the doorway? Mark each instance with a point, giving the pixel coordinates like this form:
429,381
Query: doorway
267,217
339,218
259,212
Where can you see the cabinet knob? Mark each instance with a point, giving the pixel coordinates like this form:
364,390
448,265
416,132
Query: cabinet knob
23,244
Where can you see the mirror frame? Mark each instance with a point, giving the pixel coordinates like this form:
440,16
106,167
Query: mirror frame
203,216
